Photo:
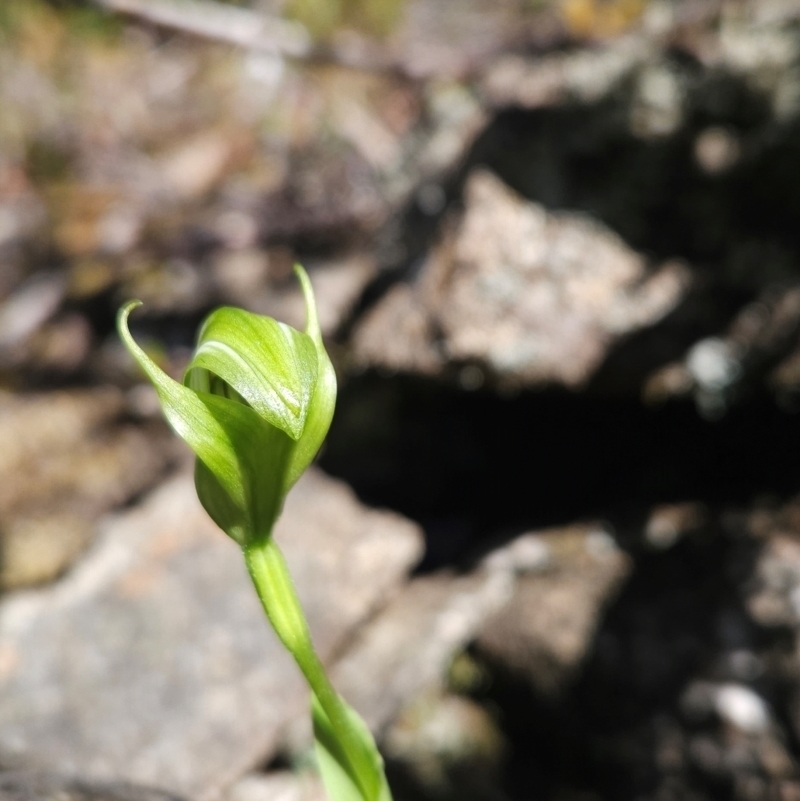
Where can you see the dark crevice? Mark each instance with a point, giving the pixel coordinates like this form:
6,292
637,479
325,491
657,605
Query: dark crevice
601,735
735,229
467,465
737,224
475,468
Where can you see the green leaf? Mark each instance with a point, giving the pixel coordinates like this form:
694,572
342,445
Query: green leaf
343,780
272,366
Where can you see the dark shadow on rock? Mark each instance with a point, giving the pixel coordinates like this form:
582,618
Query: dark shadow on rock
609,734
469,464
652,191
707,308
734,227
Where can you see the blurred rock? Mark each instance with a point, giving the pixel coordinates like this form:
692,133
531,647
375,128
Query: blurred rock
331,195
79,213
338,285
750,752
451,38
40,786
31,426
763,48
175,286
450,746
66,459
741,707
37,549
527,553
39,340
366,131
456,118
714,364
774,597
553,79
597,19
398,334
658,101
60,347
22,213
548,626
406,649
241,274
759,345
673,380
532,296
29,307
735,704
716,150
668,524
440,39
152,661
636,56
279,785
193,168
23,220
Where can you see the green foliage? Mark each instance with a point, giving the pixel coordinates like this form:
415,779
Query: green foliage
255,404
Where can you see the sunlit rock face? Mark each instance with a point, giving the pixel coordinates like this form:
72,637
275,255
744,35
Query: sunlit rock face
151,662
532,296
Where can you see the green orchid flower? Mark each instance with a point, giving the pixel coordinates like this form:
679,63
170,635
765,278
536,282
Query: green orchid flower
255,405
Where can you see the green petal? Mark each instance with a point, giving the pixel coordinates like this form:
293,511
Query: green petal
219,505
263,453
272,366
323,399
244,457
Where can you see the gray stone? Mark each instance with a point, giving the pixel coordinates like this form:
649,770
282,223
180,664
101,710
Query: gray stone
279,785
403,654
436,39
40,786
719,369
398,664
447,38
407,649
582,75
534,297
338,284
774,590
66,458
152,661
742,707
27,309
669,523
757,42
451,745
546,629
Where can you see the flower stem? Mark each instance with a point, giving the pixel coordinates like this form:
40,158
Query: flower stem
275,588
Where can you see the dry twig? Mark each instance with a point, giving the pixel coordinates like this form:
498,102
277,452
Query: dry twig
213,20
